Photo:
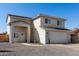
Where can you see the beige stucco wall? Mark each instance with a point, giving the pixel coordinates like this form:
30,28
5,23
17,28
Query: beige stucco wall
10,29
8,26
39,33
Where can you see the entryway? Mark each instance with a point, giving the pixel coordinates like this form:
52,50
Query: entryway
20,34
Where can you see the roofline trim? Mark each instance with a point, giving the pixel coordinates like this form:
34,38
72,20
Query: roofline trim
17,16
42,15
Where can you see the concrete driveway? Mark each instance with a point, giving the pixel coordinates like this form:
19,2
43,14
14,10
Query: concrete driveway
24,49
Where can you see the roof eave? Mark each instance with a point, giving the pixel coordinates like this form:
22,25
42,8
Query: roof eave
17,16
41,15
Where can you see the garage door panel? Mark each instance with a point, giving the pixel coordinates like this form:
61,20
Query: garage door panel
57,37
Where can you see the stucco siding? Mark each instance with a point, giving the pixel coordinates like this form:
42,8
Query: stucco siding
40,35
8,26
21,24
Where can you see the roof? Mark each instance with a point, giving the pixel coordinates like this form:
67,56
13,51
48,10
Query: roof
18,16
43,15
75,31
39,15
58,28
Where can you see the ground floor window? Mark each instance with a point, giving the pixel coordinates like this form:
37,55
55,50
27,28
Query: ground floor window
15,35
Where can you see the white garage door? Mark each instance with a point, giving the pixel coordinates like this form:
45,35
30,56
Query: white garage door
57,37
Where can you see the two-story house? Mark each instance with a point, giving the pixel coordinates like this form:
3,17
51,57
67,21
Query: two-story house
39,29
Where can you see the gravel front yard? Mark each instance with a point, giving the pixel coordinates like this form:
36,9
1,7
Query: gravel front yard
24,49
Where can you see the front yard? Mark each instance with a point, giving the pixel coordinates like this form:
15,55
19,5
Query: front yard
24,49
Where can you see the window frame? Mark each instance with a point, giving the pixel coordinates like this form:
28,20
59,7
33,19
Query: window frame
48,21
15,35
58,22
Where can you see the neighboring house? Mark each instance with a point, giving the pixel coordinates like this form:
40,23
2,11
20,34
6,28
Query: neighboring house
39,29
75,35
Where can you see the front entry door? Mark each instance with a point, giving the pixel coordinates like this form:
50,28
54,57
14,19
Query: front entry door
19,37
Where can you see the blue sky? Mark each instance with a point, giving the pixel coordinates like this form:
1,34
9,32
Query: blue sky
67,11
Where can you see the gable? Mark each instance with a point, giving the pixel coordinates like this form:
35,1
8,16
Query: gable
16,16
19,23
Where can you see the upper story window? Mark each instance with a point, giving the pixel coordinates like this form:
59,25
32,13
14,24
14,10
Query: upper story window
47,21
58,22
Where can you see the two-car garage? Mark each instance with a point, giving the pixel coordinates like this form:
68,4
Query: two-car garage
57,36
